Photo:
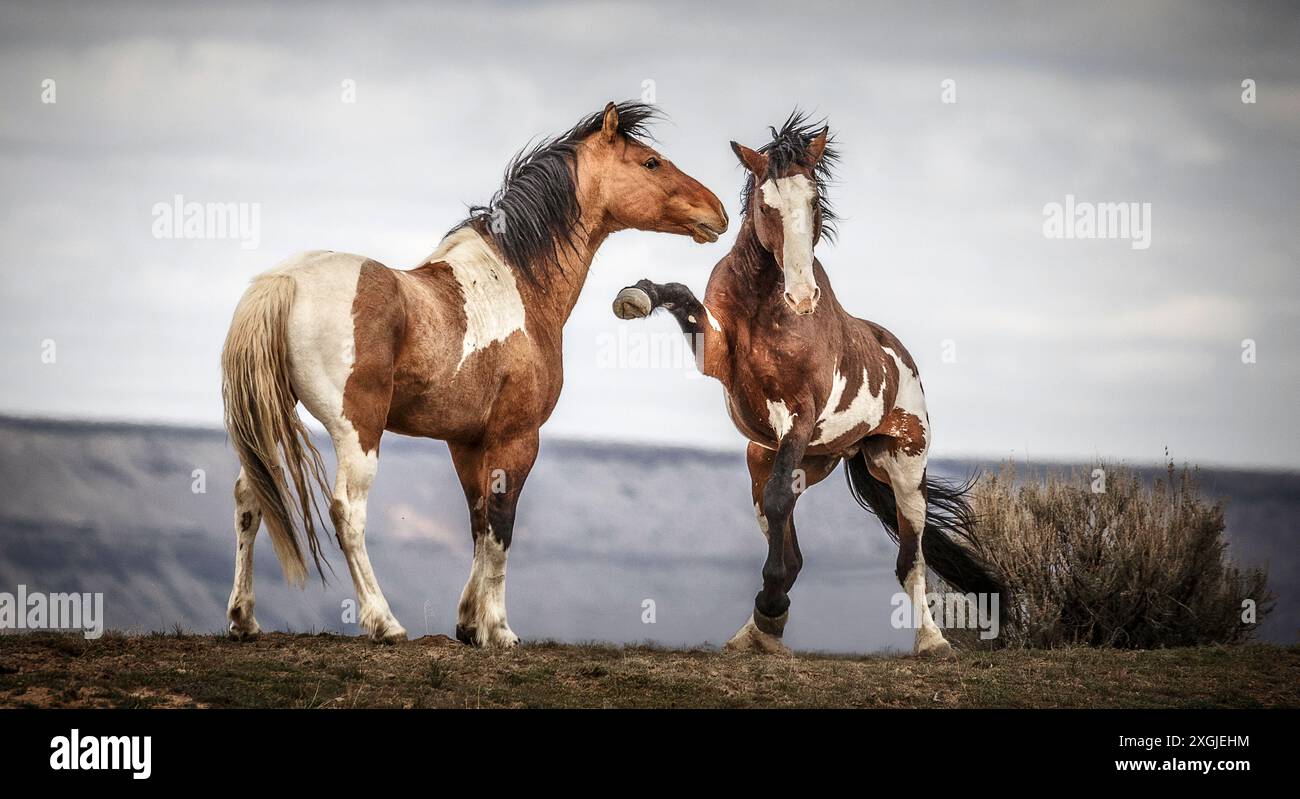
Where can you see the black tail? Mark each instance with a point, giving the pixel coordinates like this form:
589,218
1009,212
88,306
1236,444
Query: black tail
949,529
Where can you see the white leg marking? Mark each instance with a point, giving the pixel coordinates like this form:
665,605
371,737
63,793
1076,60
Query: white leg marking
248,518
356,473
483,602
908,472
751,639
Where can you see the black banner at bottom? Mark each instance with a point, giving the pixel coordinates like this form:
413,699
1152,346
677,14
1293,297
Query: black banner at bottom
211,748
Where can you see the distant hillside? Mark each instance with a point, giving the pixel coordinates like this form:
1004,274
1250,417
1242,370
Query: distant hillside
602,527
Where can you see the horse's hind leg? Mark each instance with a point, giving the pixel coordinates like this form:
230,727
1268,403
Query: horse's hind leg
356,473
906,478
248,518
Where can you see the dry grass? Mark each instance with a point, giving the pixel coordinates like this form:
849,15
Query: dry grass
326,671
1137,565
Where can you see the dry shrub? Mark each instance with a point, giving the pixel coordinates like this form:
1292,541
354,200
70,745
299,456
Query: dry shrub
1139,565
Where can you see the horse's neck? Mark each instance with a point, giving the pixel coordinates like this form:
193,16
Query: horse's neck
754,270
558,287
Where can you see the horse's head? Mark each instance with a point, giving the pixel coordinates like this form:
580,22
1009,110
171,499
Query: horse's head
783,197
641,189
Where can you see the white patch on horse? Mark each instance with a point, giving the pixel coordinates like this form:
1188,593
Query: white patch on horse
793,197
910,397
713,322
864,408
780,417
762,520
321,334
493,308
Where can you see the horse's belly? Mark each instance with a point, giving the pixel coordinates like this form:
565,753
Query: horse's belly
437,412
502,387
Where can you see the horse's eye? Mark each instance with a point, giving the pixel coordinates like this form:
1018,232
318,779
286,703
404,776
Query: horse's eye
651,163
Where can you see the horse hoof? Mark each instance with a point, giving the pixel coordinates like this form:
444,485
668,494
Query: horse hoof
503,639
240,633
389,634
751,639
935,650
499,638
242,624
466,634
632,303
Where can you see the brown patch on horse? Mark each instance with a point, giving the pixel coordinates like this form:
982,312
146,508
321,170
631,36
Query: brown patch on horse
906,433
377,330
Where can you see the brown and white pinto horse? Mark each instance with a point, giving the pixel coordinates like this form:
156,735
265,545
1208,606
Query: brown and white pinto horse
809,385
465,347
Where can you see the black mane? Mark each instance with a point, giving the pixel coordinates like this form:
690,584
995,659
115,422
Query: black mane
789,146
532,217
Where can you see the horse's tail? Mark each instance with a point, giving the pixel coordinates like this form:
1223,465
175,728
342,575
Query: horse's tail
949,536
262,419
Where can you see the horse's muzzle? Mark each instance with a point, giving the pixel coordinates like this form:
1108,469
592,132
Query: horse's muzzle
804,304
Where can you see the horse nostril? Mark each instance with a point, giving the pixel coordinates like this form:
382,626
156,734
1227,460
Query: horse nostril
802,307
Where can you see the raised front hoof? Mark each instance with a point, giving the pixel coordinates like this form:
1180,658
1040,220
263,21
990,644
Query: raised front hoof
632,303
501,637
935,648
752,640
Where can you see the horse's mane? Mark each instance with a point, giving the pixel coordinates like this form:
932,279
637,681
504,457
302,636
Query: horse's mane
532,217
789,145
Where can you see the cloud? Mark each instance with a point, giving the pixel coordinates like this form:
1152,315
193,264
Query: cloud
942,238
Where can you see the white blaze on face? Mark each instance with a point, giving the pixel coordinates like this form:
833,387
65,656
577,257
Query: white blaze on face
792,198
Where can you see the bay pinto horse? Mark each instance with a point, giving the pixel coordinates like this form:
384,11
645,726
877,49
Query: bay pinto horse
465,347
810,386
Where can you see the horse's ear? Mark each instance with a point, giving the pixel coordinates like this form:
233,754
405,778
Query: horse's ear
755,162
609,126
818,146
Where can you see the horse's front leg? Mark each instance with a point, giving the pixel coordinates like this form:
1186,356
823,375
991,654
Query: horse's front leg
492,474
810,471
636,302
776,510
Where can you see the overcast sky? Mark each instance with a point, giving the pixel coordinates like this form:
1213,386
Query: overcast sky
1064,348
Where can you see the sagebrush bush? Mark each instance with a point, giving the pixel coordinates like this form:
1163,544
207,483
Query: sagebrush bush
1139,565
